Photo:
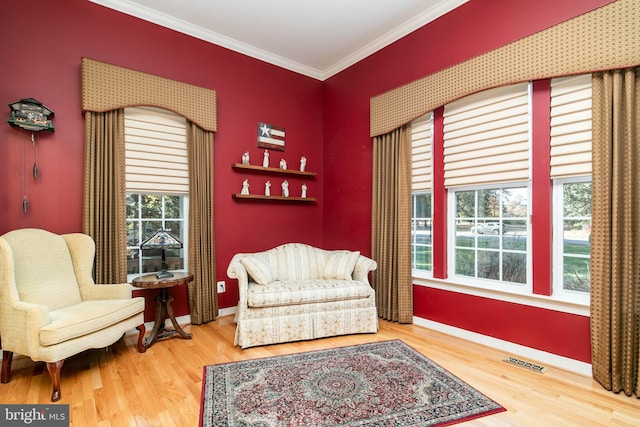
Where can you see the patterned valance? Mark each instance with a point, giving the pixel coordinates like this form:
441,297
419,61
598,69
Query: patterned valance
605,38
108,87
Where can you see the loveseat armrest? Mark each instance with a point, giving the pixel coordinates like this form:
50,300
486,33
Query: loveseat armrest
363,266
105,292
236,270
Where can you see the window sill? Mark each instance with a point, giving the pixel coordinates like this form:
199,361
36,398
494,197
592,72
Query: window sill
540,301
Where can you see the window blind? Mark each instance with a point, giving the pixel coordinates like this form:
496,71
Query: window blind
486,137
155,151
421,142
571,126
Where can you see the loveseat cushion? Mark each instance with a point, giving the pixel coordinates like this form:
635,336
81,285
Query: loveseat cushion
297,261
340,265
259,269
291,292
87,317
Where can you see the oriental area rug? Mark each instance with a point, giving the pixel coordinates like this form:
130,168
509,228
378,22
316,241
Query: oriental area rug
379,384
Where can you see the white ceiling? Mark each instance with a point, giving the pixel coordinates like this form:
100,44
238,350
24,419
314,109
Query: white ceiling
317,38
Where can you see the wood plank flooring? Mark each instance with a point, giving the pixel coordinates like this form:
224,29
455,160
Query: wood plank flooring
121,387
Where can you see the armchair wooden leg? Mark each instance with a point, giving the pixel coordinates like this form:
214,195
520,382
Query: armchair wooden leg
54,369
141,347
7,358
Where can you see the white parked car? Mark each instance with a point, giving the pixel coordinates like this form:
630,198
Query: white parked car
489,228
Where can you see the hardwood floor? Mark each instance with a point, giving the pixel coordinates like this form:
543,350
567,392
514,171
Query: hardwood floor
121,387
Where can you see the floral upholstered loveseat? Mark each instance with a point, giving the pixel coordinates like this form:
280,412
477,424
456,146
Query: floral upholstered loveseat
299,292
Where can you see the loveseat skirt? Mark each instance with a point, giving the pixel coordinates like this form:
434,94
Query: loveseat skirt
270,325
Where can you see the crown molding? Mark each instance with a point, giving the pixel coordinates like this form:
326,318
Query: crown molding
198,32
396,34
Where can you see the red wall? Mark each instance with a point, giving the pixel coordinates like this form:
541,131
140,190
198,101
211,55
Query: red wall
328,122
41,50
474,28
546,330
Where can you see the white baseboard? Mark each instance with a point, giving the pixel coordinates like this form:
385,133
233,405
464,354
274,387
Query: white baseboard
228,311
182,320
532,354
186,319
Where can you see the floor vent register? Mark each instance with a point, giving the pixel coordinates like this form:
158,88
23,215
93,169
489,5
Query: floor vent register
524,364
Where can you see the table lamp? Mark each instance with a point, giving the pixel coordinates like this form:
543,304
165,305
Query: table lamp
162,239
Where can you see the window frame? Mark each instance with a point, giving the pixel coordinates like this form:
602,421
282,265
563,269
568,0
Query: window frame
139,219
420,273
559,293
489,284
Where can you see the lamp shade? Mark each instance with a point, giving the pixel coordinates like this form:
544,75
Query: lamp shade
162,239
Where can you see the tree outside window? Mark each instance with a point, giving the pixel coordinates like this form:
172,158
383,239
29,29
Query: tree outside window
576,241
421,243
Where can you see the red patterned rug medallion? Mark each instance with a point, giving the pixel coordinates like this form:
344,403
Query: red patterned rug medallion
378,384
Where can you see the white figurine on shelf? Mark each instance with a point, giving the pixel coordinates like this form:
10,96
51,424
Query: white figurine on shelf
245,158
303,163
285,189
265,160
245,187
283,164
267,188
304,191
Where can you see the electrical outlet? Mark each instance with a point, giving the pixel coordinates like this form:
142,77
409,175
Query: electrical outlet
221,287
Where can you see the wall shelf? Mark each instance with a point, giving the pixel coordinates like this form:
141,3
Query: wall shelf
239,167
279,198
272,170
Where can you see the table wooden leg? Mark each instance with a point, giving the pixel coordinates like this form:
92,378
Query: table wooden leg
176,326
158,324
164,307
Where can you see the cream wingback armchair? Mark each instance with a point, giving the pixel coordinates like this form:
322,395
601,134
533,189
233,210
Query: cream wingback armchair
50,307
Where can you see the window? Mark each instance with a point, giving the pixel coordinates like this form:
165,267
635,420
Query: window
147,213
571,136
157,183
486,143
573,254
491,197
490,237
421,242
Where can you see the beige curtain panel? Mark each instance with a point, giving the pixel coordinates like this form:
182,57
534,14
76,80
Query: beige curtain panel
203,297
103,208
391,225
615,237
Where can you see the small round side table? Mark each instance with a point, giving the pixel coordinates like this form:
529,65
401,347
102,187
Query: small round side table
163,304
